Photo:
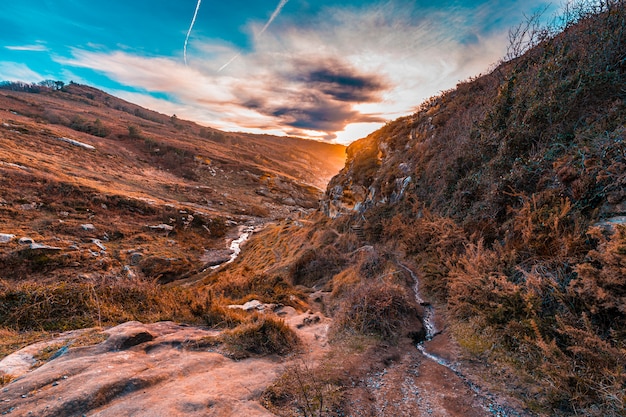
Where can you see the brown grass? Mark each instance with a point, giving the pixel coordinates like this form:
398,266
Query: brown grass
71,305
260,335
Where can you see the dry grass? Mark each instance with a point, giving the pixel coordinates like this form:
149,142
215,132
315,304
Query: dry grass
12,340
71,305
260,335
5,379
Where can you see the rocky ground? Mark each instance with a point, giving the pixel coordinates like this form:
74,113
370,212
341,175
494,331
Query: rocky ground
167,369
160,369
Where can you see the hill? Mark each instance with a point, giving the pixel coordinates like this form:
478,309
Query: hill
496,213
79,164
507,194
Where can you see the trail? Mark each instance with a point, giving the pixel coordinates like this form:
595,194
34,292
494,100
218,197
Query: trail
488,400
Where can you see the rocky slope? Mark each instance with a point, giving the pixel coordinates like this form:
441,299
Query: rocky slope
160,369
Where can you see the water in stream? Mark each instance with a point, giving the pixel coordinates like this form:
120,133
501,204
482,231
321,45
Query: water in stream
428,320
235,246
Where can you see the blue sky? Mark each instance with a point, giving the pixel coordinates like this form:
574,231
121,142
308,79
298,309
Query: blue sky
331,70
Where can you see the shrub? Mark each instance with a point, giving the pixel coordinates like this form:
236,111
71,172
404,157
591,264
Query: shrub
316,266
134,131
260,335
96,128
305,390
375,308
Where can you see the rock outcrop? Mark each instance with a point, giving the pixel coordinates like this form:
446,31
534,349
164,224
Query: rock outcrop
162,369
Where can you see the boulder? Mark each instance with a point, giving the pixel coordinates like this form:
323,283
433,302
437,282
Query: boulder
162,227
160,369
99,244
42,247
4,238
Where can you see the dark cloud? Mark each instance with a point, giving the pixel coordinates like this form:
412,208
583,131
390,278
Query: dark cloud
344,86
342,82
317,96
315,111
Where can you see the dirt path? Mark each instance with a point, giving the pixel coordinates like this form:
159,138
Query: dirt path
447,389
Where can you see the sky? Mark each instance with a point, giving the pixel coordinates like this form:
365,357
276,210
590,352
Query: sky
322,69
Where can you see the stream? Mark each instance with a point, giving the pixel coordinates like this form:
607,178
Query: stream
235,246
488,400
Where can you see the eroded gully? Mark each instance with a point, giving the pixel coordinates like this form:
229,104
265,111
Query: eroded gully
487,399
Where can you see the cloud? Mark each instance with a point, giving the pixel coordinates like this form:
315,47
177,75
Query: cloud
314,78
12,71
29,48
342,82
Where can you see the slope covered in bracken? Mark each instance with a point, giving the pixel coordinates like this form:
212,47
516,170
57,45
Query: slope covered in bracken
508,195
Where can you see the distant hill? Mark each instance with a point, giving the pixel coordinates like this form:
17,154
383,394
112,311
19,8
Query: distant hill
304,160
75,155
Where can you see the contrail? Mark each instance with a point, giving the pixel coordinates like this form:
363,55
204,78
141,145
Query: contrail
269,22
193,22
228,63
272,17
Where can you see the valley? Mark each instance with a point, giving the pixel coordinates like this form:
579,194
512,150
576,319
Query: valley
465,260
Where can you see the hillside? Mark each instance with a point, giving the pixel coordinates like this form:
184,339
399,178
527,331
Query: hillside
78,165
496,214
508,195
468,260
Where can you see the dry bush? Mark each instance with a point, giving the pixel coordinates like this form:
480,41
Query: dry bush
600,286
545,226
375,308
347,242
429,240
260,335
344,282
307,390
316,266
479,287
